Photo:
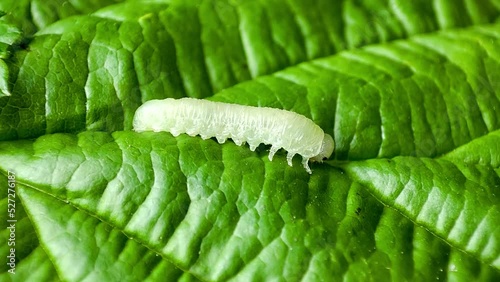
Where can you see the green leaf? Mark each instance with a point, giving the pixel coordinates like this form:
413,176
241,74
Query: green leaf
10,37
97,249
92,72
32,15
21,18
32,261
9,34
393,99
455,200
4,79
189,201
408,89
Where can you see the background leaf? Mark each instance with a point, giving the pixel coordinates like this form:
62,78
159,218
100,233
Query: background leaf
33,15
101,67
10,37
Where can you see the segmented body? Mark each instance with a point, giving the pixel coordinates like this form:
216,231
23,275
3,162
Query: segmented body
253,125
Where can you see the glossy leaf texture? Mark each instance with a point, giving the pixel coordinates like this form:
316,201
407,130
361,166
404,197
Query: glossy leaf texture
408,89
91,72
10,38
33,15
125,195
454,196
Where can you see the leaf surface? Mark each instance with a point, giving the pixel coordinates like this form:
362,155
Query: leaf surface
201,211
408,89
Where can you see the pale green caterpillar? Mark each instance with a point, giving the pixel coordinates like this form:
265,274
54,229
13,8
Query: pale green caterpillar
279,128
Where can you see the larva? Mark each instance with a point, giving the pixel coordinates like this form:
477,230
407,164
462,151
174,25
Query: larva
279,128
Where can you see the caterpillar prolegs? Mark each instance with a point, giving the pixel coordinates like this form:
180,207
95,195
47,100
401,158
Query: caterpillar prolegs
254,125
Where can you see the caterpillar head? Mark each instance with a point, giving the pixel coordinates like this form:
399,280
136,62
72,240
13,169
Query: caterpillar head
326,149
